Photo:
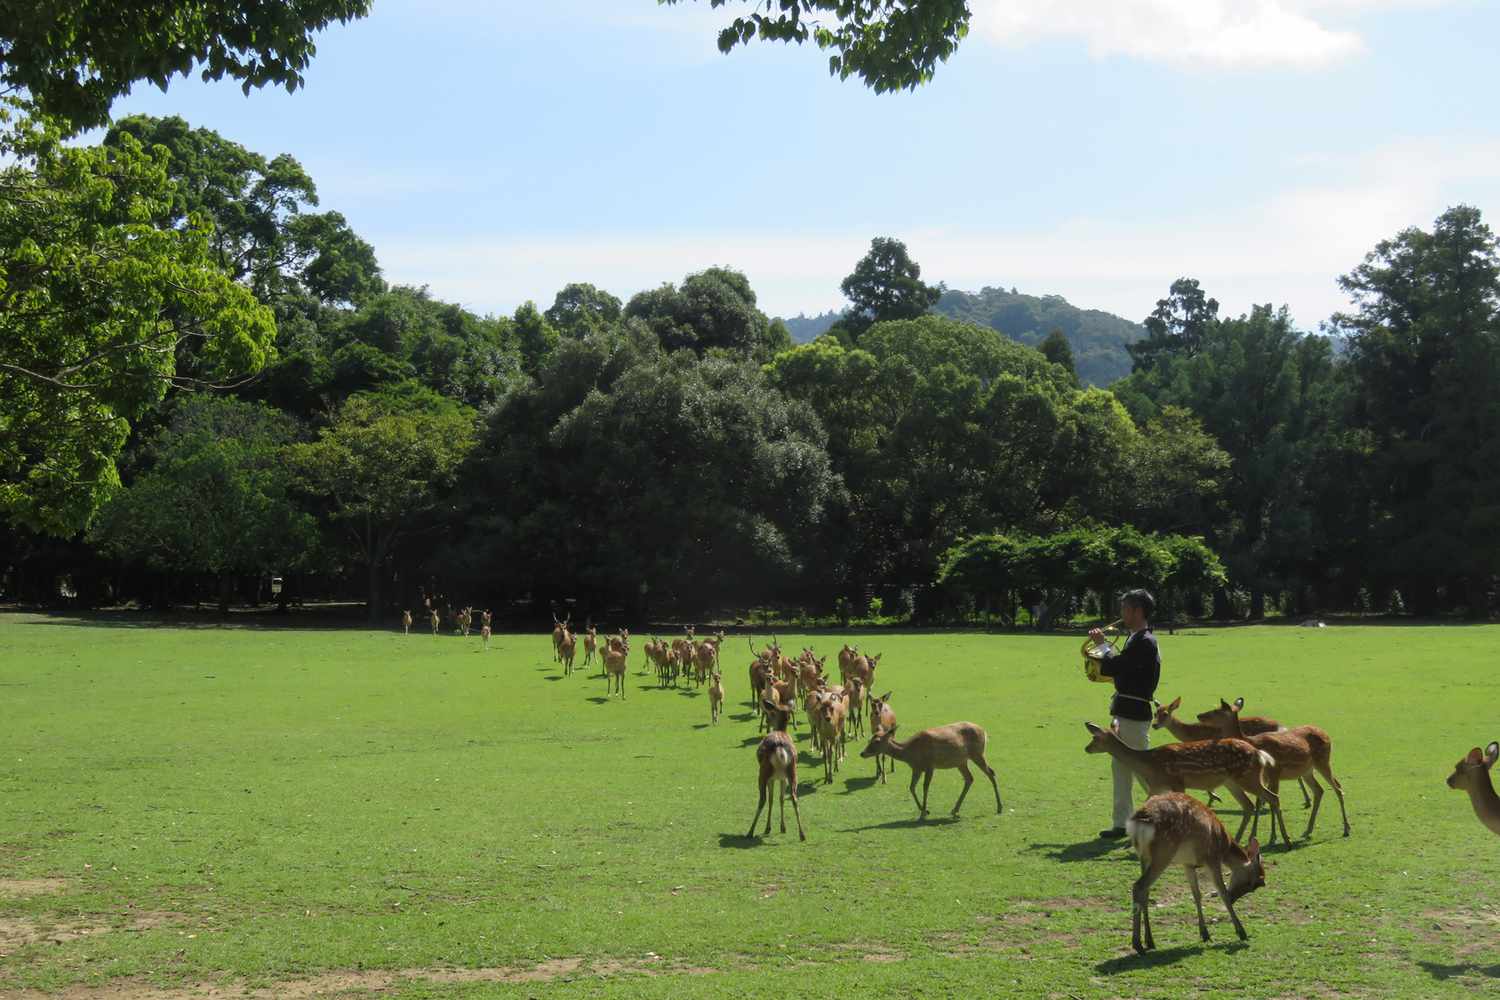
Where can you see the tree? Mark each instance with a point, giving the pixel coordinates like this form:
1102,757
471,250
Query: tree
380,468
1177,326
885,285
1424,349
889,44
74,57
102,308
216,499
581,309
1056,349
713,309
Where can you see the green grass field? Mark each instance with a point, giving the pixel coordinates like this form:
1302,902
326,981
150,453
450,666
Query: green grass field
196,812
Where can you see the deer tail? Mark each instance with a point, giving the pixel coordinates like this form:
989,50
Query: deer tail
1266,760
1141,832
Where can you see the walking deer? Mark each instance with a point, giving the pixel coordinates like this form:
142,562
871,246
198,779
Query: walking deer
1472,774
558,628
1204,764
566,647
1250,725
1176,829
484,635
590,643
882,717
828,723
1297,752
616,652
716,697
777,756
406,623
941,747
436,622
1190,731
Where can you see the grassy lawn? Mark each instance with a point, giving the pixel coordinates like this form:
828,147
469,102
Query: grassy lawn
204,811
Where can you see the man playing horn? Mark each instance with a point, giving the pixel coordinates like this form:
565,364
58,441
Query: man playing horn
1135,671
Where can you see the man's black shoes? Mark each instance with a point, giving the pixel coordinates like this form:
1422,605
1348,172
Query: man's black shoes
1114,833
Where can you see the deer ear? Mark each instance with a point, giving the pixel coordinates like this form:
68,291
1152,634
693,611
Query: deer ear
886,696
1092,728
1239,703
1491,754
1225,705
1176,704
1253,851
1475,757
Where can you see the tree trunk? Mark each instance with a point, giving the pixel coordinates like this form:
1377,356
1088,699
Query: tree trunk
1222,610
1257,604
374,594
226,585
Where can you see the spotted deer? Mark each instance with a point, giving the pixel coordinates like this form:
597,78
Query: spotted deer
1250,725
1472,774
777,756
1175,829
1190,731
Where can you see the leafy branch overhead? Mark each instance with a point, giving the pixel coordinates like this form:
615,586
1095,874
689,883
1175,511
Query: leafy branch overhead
889,44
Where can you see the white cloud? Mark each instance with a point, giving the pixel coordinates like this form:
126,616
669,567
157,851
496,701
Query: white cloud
1287,247
1229,34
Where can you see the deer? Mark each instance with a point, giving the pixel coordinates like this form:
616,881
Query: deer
777,756
1472,774
705,658
1175,829
590,643
465,620
1188,732
558,628
1250,725
484,635
857,694
882,716
955,745
1204,764
436,622
828,723
406,623
810,671
485,618
1297,752
565,650
863,667
846,660
716,696
616,652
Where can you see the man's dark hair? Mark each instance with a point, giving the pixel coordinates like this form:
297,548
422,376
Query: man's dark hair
1141,599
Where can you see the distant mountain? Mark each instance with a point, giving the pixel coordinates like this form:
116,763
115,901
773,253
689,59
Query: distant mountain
1098,338
806,329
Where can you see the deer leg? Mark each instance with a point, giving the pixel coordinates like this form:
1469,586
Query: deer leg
926,784
1192,874
783,805
1239,928
963,769
797,811
1326,770
761,805
1140,904
1317,794
1245,807
921,810
990,773
1306,802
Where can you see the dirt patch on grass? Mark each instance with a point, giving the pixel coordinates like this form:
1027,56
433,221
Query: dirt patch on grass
20,932
20,888
334,984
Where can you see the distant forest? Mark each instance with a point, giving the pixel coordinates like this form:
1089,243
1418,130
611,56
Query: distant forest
1098,338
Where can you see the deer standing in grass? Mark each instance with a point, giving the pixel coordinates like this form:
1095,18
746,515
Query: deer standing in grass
1297,752
777,756
1250,725
566,648
863,668
1176,829
882,717
616,652
1204,764
716,696
590,643
954,745
484,635
436,622
558,628
846,660
1472,774
406,623
829,725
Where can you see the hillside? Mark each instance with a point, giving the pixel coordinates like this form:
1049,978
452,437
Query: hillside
1098,338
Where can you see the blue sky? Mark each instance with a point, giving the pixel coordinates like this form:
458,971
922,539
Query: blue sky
1097,149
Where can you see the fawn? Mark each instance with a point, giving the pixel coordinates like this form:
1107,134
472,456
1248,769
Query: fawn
1472,774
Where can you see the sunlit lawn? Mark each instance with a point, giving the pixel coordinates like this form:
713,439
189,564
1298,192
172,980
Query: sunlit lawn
251,807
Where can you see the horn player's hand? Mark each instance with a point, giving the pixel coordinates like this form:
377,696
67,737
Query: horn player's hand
1097,634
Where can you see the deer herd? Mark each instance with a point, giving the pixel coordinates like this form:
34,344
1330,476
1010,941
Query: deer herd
1249,756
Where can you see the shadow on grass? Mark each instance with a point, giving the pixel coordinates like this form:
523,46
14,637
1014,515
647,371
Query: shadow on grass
750,741
855,784
1437,970
740,842
743,717
691,694
554,677
1084,850
601,700
905,824
1165,956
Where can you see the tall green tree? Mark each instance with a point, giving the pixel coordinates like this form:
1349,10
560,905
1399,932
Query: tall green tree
712,309
74,57
102,308
1056,349
581,309
380,470
889,44
1424,346
885,285
1177,326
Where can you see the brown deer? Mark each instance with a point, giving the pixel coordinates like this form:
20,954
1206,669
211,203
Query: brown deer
857,694
1187,732
485,618
882,716
829,725
1250,725
591,643
1176,829
1472,774
716,696
1204,764
777,756
465,621
406,623
705,658
558,628
863,667
436,622
566,648
616,652
953,745
484,635
1297,753
846,660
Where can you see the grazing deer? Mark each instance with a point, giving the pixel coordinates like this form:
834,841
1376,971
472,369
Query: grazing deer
406,623
1204,764
1250,725
953,745
565,650
590,644
882,717
1176,829
1472,774
436,622
777,755
1297,752
484,635
716,696
616,652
